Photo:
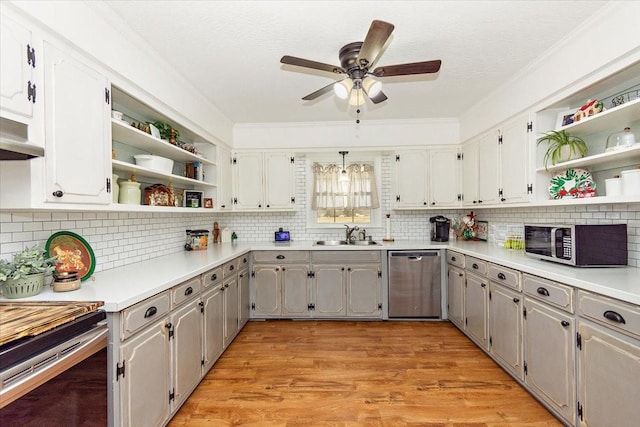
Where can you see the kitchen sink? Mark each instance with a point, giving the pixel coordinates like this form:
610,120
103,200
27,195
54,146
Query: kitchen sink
331,242
344,243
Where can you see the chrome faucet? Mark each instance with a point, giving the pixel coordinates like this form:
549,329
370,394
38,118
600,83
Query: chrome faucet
349,233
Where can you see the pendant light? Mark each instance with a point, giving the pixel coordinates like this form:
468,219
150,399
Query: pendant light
344,178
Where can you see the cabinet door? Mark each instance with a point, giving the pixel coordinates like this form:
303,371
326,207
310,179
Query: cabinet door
411,179
144,388
247,181
16,68
505,328
455,291
266,291
213,334
230,310
186,351
279,180
514,161
244,305
328,291
295,291
476,301
608,378
444,173
224,193
549,356
364,288
488,169
470,173
77,130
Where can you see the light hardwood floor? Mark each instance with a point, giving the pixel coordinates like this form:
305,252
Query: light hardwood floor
329,373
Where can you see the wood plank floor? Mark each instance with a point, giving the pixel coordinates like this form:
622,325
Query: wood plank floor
326,373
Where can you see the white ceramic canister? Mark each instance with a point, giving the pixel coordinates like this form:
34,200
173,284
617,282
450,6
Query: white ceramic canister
630,182
129,193
115,188
613,186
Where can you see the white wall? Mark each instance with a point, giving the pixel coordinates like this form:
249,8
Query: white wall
94,29
602,45
387,134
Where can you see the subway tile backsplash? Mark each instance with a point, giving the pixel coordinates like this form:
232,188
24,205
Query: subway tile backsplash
120,238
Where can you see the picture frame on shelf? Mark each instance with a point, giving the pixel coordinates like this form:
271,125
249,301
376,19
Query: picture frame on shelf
482,232
192,199
565,118
208,202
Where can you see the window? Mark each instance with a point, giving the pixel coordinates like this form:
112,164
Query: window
337,198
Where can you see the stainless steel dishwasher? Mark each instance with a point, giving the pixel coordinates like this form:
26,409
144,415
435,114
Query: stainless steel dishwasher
415,284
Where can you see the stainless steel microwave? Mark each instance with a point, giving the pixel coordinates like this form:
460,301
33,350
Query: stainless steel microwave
578,245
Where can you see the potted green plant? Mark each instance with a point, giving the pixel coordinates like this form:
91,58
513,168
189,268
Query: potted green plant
562,147
167,132
23,276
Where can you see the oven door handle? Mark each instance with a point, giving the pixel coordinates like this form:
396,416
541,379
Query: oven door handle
26,376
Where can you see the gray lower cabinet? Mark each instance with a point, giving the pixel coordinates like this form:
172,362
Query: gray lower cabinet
244,305
267,292
505,328
145,383
455,292
213,325
364,287
476,304
608,361
549,356
329,294
186,351
296,292
231,304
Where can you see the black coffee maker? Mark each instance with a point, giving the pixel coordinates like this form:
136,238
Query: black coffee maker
439,228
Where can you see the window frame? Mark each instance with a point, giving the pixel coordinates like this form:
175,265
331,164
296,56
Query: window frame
357,157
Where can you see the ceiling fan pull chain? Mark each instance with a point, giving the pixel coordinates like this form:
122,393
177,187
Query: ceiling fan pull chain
358,108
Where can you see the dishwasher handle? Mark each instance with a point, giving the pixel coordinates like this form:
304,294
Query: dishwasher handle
413,255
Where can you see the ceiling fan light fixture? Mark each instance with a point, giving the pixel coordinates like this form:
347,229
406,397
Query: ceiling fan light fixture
356,98
371,87
342,88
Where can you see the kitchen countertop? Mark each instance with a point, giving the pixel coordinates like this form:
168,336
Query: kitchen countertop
122,287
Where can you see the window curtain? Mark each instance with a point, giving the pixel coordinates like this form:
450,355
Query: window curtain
359,192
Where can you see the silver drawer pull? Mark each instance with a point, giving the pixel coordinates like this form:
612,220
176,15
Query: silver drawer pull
614,317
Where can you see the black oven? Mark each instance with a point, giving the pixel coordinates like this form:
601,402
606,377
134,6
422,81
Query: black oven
57,378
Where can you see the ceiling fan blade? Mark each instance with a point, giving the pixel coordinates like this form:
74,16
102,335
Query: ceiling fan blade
425,67
292,60
319,92
380,97
377,36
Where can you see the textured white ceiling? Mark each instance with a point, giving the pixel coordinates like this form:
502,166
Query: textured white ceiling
231,50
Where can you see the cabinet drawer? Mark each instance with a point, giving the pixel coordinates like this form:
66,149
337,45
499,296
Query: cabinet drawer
618,315
552,293
505,276
243,262
185,291
455,258
345,257
212,277
143,313
230,268
279,257
476,265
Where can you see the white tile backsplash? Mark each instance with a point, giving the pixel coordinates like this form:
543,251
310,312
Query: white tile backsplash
120,238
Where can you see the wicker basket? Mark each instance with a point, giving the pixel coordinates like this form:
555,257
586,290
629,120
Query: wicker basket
23,287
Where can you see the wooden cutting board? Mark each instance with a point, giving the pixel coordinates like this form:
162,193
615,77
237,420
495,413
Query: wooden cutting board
21,319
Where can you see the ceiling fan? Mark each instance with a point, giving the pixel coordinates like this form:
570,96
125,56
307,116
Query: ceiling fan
357,60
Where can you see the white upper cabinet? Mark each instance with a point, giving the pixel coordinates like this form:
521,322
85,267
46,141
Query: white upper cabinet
427,178
412,179
515,140
18,90
263,181
225,197
444,168
488,169
470,173
77,130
